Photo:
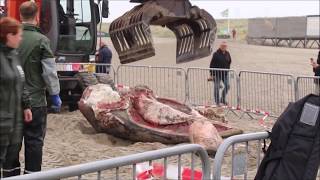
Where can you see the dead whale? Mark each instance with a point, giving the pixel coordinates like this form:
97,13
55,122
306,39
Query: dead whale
137,114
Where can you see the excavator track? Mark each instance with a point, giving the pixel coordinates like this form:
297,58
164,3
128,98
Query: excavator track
194,28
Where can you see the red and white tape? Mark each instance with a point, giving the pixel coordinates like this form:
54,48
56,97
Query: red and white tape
145,171
262,121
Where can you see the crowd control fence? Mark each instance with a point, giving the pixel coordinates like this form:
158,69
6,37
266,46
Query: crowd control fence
96,169
167,82
306,85
261,93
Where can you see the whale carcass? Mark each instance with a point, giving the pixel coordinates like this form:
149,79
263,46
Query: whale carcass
137,114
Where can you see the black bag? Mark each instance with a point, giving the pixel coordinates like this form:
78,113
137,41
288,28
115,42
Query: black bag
294,152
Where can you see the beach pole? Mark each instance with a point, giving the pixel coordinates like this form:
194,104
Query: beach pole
228,25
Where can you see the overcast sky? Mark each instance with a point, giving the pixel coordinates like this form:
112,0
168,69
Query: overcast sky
237,9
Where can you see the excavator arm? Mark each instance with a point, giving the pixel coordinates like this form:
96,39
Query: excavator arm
194,28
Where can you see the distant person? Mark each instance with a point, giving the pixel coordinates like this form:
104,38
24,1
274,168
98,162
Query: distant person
104,57
234,34
221,60
316,70
14,98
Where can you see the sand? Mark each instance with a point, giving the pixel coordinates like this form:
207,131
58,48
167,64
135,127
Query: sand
244,57
71,140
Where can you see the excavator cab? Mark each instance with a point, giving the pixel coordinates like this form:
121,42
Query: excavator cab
71,25
194,28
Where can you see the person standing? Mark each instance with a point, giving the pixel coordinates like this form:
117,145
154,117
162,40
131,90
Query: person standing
221,60
14,98
316,70
234,34
41,76
104,58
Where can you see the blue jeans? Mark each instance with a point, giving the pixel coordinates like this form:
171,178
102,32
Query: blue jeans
217,86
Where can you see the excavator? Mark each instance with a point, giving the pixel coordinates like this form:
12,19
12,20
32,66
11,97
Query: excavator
72,26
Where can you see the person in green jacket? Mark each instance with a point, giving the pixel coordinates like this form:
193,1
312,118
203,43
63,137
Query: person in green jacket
13,95
40,70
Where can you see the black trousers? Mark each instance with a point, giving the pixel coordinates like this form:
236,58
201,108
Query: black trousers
11,166
10,158
33,134
4,143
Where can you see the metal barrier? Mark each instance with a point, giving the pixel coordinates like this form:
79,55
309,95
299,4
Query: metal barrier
266,91
242,164
99,166
202,90
250,91
307,85
87,67
239,160
169,82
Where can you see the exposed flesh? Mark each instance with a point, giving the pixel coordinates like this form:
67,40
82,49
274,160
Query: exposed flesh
158,113
205,134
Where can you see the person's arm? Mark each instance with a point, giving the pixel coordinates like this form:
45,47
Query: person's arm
230,59
26,99
317,71
313,64
317,68
26,105
50,75
213,64
96,57
49,68
109,57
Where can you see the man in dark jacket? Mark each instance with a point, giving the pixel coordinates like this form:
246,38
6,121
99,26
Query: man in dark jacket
316,70
221,60
104,58
40,71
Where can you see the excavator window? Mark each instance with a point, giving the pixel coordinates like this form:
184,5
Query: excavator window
75,26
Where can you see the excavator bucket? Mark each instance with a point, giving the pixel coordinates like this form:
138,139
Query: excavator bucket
194,28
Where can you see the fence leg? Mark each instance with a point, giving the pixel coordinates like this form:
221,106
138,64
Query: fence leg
234,112
242,115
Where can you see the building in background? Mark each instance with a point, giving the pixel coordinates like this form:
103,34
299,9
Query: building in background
303,31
